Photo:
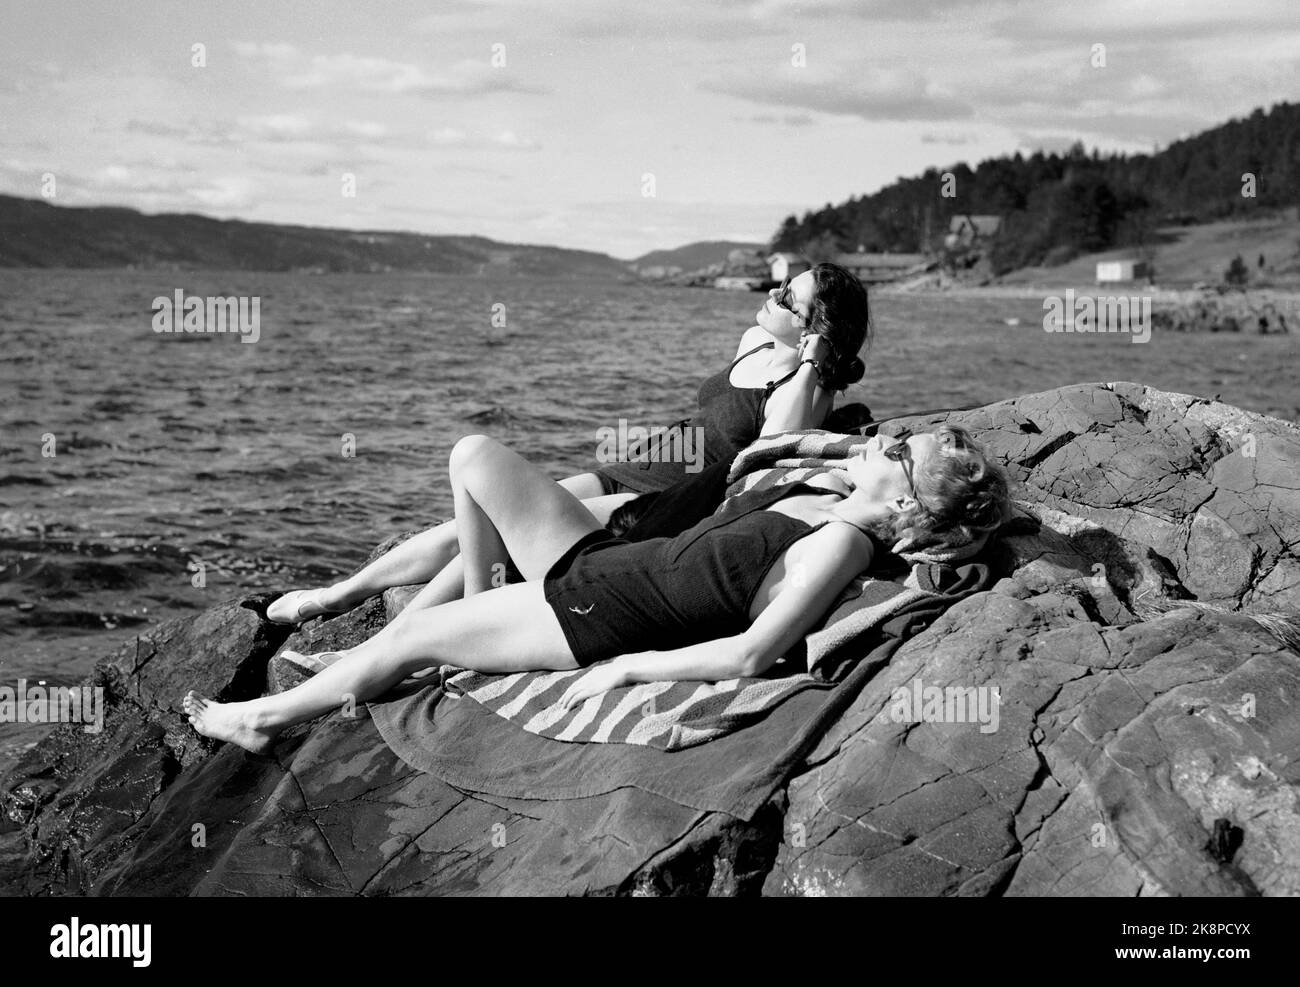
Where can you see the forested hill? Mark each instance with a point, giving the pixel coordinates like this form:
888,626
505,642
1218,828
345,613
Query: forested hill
693,256
34,233
1054,206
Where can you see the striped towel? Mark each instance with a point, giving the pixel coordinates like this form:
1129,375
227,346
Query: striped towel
676,715
788,457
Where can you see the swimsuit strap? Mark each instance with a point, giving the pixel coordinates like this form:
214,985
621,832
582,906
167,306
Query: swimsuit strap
761,346
772,385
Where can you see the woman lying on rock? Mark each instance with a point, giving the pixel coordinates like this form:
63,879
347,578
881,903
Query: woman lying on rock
787,369
724,599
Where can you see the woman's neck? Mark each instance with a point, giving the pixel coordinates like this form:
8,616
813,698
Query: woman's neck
852,510
758,369
781,348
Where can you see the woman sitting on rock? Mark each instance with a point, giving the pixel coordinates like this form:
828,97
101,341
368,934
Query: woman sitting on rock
787,369
723,599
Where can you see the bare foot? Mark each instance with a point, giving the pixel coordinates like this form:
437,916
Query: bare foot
227,721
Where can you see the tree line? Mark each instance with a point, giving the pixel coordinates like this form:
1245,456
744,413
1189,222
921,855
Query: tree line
1055,206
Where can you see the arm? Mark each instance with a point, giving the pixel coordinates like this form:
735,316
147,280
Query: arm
797,404
800,402
830,558
708,661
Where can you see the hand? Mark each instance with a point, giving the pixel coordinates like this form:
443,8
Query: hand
599,680
813,346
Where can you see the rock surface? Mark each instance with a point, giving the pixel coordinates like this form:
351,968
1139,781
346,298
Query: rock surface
1147,737
1255,310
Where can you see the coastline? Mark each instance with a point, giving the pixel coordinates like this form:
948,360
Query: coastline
1039,289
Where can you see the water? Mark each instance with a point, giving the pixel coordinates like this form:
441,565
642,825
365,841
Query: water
175,451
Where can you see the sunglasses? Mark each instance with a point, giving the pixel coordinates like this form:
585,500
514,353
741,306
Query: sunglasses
900,452
786,301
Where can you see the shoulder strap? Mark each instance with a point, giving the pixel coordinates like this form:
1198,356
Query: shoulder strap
772,385
761,346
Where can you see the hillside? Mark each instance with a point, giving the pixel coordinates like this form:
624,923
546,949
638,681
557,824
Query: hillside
1056,207
1185,255
693,256
36,234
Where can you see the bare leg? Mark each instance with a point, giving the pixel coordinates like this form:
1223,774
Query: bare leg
531,507
504,506
505,630
417,560
449,584
507,508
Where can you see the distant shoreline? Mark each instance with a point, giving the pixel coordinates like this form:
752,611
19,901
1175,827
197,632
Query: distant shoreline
1037,290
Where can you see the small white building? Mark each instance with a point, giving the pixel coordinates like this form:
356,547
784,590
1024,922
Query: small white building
787,265
1128,269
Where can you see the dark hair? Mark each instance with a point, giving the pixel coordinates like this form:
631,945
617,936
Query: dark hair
626,515
841,313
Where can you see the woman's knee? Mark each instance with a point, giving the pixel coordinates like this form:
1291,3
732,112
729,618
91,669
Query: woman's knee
410,642
468,450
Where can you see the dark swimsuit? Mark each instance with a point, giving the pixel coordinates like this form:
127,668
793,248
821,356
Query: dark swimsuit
612,596
732,418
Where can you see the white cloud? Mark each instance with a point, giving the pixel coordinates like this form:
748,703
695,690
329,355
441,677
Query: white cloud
786,119
151,185
265,49
950,138
224,192
270,128
456,137
873,92
296,70
276,127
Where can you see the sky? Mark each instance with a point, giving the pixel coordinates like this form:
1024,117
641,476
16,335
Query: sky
596,124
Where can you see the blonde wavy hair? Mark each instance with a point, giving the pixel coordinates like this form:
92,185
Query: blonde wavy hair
963,498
